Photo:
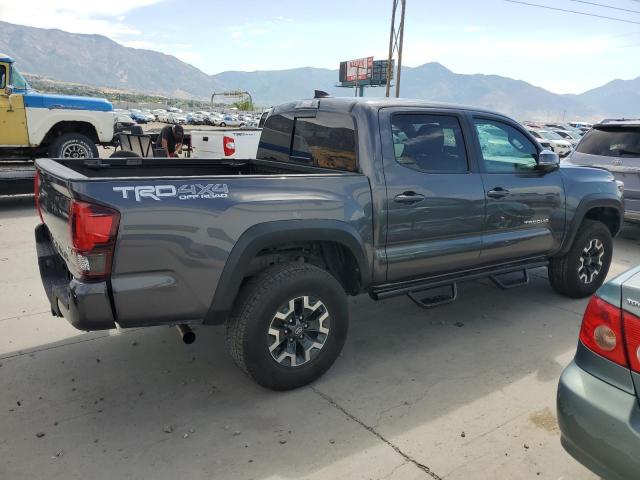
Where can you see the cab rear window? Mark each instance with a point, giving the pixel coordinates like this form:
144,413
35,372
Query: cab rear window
326,140
611,142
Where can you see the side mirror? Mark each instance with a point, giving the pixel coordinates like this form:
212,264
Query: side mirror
548,160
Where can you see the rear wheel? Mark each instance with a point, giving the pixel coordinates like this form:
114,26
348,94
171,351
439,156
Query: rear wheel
288,325
222,124
583,270
73,145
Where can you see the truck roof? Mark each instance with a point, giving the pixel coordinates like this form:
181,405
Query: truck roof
347,104
619,122
5,58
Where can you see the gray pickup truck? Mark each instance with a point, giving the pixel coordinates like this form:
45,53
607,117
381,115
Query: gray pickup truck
346,196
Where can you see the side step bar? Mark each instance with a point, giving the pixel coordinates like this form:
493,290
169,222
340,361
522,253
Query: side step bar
411,288
436,301
506,286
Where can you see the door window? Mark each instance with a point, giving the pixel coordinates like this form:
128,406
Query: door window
3,76
429,143
504,148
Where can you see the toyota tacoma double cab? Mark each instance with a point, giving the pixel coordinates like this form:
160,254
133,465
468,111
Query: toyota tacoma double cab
345,196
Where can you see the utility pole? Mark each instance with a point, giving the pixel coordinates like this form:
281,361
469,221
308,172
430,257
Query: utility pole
396,39
359,88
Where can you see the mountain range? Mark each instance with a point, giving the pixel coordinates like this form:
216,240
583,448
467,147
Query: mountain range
99,61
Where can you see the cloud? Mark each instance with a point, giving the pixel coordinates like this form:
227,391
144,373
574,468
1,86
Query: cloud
76,16
472,28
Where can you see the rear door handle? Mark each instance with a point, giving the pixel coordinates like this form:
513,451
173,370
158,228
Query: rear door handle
498,192
409,198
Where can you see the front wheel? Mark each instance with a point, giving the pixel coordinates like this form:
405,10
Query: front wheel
583,270
288,325
222,124
73,145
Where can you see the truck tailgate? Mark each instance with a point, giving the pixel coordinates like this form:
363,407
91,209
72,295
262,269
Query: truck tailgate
86,304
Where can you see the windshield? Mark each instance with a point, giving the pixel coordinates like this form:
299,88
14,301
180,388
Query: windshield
18,81
619,142
572,134
549,135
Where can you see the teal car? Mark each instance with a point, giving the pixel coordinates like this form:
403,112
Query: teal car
598,394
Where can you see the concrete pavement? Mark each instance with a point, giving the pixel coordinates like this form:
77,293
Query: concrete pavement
465,391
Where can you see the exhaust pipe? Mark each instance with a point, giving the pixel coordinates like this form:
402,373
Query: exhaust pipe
188,336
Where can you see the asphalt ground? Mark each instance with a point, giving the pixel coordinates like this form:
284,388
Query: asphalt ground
464,391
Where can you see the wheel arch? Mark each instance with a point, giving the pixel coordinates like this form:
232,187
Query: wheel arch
70,126
342,250
608,210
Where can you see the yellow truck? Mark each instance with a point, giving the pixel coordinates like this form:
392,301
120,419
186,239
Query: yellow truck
34,124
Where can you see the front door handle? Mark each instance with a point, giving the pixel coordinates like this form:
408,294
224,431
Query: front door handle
409,198
498,192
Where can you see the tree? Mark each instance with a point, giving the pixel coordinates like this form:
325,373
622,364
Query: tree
244,105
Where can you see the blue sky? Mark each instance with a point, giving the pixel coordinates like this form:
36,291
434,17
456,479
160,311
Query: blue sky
563,52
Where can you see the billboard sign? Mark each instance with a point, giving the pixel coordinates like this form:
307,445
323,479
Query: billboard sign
376,72
360,69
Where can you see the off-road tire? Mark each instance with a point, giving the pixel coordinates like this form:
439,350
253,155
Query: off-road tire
254,309
564,271
61,145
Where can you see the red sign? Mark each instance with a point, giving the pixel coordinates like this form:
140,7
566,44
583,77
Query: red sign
362,68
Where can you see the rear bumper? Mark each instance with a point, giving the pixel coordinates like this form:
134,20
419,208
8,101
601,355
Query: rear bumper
599,424
86,305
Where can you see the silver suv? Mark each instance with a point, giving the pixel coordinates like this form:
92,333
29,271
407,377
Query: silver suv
615,146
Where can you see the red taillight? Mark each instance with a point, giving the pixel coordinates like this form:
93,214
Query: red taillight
601,330
229,145
36,194
93,231
632,339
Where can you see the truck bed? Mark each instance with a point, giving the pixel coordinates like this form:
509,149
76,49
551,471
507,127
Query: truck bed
177,167
179,221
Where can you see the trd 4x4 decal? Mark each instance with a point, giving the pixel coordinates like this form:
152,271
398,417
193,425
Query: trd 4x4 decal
189,191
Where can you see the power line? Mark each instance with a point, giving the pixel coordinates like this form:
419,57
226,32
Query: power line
605,6
573,11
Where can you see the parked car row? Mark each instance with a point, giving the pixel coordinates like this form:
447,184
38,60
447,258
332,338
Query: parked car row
176,116
561,138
